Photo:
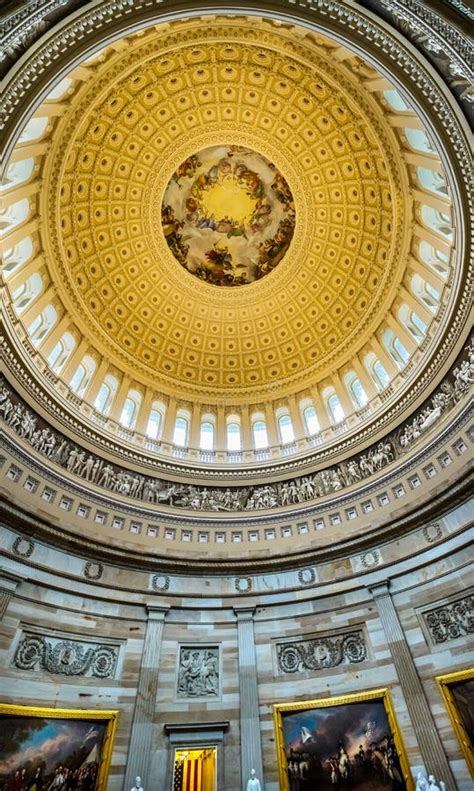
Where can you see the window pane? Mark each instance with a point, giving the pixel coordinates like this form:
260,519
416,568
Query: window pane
260,437
381,374
286,429
128,413
154,422
233,436
359,393
206,438
335,409
180,434
102,397
311,420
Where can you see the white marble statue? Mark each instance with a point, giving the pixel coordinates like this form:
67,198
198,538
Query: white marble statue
253,783
421,782
432,785
138,785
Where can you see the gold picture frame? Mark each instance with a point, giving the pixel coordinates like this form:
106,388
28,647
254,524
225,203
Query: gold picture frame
83,728
385,713
449,685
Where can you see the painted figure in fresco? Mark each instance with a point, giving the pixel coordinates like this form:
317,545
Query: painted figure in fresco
138,785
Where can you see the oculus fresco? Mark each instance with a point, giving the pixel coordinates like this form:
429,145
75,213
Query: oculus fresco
228,215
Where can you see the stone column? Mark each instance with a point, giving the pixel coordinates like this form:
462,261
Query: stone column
139,751
9,582
250,741
428,738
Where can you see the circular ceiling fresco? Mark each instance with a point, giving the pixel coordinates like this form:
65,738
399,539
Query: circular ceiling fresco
228,215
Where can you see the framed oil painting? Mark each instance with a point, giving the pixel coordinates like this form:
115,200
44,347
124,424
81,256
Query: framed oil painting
349,742
457,690
55,749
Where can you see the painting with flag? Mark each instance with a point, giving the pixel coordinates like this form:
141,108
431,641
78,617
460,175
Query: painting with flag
52,749
349,742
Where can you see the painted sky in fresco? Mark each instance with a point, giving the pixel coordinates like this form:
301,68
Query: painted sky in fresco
228,215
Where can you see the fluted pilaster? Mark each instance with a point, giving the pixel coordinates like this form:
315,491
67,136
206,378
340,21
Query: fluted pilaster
428,738
142,726
250,741
9,582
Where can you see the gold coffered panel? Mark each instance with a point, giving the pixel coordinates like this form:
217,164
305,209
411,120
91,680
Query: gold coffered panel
177,90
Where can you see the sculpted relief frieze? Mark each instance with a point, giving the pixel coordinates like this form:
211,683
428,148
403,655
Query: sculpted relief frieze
95,470
66,657
198,672
321,652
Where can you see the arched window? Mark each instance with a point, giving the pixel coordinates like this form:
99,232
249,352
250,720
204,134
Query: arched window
381,376
61,352
412,322
311,421
336,411
432,181
376,371
425,292
27,292
181,429
419,140
437,221
355,389
155,420
106,394
42,324
17,255
395,348
206,435
14,215
234,442
434,258
285,427
33,130
395,100
130,409
83,374
18,173
59,90
259,434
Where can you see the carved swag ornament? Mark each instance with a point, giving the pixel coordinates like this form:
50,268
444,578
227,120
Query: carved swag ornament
321,653
451,621
66,657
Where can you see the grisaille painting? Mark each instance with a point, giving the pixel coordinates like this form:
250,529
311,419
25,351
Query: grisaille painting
43,749
341,743
228,215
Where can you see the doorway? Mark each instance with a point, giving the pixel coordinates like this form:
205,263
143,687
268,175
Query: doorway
195,769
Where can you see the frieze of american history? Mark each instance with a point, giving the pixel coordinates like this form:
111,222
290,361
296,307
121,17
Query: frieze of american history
96,470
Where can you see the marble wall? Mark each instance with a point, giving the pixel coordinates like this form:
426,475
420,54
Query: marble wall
41,602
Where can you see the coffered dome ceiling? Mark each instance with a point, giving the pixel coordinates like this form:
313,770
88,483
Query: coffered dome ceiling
111,171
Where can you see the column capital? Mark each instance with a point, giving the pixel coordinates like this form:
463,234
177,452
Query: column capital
157,612
380,589
9,580
244,613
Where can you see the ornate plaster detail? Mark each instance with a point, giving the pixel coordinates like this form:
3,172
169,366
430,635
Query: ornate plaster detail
452,620
160,582
320,653
432,533
93,571
23,26
307,576
66,657
243,584
198,672
370,559
23,547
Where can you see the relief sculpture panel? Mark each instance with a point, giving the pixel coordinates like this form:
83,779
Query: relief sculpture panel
319,653
198,672
66,657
